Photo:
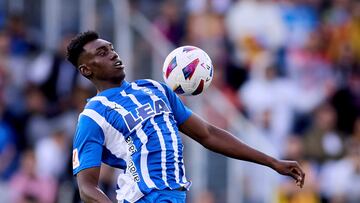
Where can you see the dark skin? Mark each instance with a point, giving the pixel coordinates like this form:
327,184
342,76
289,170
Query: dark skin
98,64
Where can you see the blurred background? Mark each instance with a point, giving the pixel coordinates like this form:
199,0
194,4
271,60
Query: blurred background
287,82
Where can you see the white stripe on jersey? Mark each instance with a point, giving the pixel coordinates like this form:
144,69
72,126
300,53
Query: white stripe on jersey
140,133
173,136
113,105
113,139
161,88
132,97
143,159
160,135
175,146
157,85
163,151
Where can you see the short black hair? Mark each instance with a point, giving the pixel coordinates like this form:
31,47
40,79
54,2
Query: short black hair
75,48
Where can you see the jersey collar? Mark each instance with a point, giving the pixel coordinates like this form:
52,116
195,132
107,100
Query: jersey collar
113,90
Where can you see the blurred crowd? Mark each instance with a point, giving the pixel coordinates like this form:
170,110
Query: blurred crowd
292,67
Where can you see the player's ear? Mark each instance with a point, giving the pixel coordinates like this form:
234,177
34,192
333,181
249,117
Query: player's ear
84,70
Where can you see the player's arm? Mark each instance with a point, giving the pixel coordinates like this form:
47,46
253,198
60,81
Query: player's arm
87,156
218,140
88,186
223,142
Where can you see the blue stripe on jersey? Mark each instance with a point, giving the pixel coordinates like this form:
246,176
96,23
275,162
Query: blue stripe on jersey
180,148
111,111
136,157
180,114
164,143
138,122
113,117
93,145
170,166
111,160
158,181
106,155
158,159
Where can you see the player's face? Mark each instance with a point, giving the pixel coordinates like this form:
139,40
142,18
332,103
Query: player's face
102,62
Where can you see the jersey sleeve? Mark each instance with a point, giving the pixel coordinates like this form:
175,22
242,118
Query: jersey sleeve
87,145
180,111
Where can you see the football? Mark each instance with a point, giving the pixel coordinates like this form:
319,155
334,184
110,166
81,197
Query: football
188,70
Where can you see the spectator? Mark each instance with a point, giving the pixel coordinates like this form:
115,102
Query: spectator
266,93
300,20
8,149
53,151
37,123
312,57
322,142
169,22
340,180
311,72
21,43
8,154
249,19
294,149
346,100
54,76
27,185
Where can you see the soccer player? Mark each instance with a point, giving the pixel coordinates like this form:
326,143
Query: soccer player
135,126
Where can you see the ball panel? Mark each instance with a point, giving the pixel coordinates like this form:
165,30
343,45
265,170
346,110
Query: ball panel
171,67
188,49
199,89
189,70
179,90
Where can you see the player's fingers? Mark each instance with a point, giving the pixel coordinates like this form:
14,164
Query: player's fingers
294,174
300,175
302,179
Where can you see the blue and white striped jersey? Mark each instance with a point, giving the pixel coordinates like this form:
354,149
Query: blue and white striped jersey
134,127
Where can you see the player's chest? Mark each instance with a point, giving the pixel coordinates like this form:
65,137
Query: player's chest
130,110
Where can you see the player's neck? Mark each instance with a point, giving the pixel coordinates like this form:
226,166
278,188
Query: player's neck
101,86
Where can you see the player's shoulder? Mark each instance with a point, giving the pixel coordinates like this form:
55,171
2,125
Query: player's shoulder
147,82
92,103
93,106
151,84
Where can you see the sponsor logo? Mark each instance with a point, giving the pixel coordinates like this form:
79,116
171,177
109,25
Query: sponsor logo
132,170
75,159
143,112
131,146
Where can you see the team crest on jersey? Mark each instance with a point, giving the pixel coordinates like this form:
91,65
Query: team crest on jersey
75,159
147,91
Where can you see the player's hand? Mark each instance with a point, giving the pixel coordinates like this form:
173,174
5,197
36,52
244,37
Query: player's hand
292,169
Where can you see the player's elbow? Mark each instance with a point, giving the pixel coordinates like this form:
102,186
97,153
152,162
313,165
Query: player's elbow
214,139
86,193
207,138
